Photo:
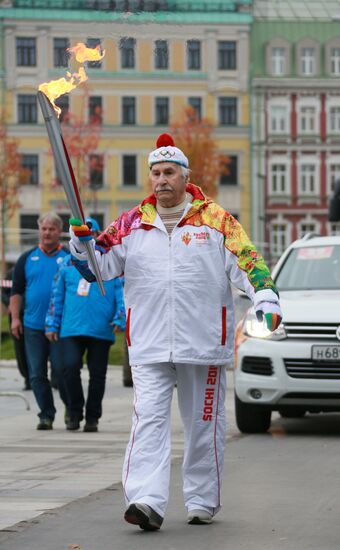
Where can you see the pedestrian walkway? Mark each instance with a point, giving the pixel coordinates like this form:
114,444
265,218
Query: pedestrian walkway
41,471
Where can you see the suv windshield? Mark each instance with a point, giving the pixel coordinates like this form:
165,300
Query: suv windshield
311,267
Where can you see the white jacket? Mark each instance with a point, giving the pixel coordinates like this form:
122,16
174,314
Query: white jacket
177,290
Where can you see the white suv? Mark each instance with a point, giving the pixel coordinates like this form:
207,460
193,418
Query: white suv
296,369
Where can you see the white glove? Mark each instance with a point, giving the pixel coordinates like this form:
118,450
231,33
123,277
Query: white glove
272,313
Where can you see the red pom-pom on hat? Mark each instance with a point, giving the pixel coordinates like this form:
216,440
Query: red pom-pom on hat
165,140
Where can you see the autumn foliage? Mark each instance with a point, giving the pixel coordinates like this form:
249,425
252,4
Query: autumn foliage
12,177
194,137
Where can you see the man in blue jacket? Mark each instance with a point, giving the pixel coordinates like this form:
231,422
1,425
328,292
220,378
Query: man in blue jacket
32,283
84,320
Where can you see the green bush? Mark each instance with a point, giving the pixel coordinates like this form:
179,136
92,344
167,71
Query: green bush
116,356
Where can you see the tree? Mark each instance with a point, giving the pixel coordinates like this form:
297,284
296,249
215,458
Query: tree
12,176
194,137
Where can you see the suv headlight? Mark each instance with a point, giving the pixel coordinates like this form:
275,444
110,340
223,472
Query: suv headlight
255,329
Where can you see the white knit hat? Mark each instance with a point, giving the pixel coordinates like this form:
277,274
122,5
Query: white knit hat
167,152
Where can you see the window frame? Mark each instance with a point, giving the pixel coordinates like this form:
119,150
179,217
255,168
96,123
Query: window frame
158,108
124,184
236,110
94,186
57,52
24,51
226,58
313,177
225,184
277,248
133,106
157,58
33,106
191,55
123,51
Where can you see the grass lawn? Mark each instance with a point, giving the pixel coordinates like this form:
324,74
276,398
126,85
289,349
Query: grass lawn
116,356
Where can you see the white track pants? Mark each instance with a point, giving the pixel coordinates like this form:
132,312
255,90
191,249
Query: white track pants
201,394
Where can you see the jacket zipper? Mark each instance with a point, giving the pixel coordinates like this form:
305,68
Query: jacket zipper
170,302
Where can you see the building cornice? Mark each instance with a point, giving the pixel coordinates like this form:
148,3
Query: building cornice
294,84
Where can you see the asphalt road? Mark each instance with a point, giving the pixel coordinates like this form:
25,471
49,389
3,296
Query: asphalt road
59,489
280,492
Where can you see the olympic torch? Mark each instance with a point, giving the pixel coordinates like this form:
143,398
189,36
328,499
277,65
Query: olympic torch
66,175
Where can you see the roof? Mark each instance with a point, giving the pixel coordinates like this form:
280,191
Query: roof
297,9
263,31
179,18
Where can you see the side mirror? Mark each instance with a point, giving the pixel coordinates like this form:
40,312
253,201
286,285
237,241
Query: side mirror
334,204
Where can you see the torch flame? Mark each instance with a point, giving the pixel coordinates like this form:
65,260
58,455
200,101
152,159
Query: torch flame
56,88
82,53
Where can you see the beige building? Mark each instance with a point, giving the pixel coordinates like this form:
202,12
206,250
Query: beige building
156,62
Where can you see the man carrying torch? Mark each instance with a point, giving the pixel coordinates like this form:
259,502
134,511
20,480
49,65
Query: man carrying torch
179,252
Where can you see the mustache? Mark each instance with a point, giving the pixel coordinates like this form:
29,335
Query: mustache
163,188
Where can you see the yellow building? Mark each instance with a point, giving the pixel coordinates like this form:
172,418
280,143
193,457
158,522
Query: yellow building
159,57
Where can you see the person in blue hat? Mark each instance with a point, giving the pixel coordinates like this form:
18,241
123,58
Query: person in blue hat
84,321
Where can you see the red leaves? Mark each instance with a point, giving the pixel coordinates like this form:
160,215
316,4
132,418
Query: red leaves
194,137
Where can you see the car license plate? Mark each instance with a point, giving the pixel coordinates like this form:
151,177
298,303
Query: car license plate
326,353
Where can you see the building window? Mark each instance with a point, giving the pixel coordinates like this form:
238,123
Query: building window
226,55
307,180
230,172
334,176
95,110
334,120
162,110
278,179
335,61
27,109
31,164
306,227
129,110
334,229
96,165
127,53
194,55
278,61
227,111
161,54
129,170
196,104
60,53
26,52
308,61
307,119
63,103
93,43
29,232
278,119
278,239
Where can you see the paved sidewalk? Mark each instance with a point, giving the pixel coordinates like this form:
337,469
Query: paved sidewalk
41,471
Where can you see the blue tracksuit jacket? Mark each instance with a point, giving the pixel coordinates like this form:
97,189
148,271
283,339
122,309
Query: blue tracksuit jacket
78,309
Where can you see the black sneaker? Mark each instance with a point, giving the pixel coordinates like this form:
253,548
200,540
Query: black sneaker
144,516
72,424
91,426
45,424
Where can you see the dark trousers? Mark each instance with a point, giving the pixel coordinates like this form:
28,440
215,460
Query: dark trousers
19,349
73,349
38,350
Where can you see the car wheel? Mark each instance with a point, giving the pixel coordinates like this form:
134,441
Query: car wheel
251,419
292,412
